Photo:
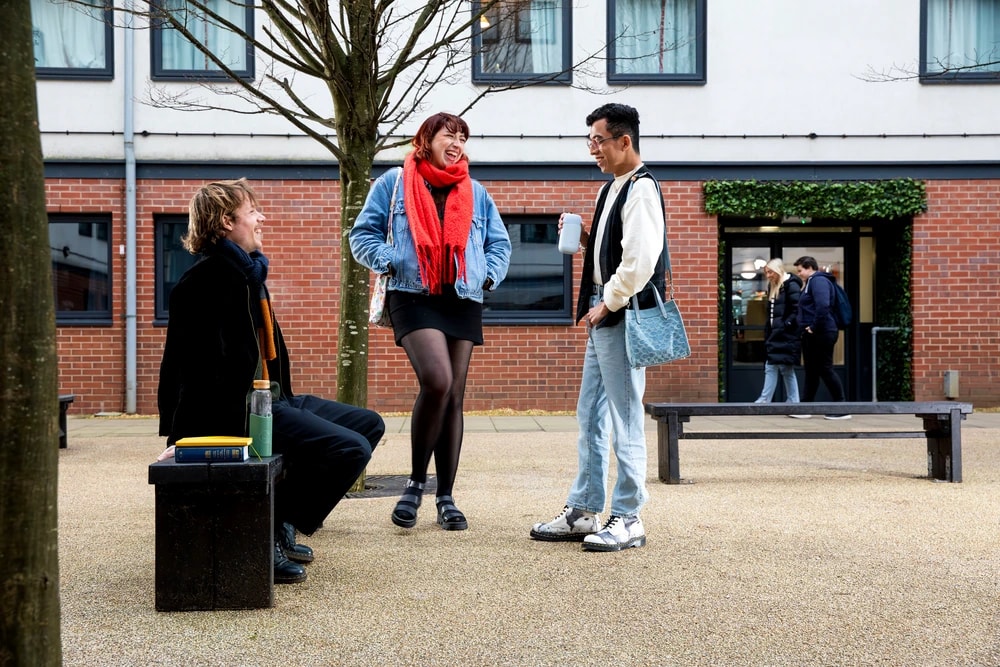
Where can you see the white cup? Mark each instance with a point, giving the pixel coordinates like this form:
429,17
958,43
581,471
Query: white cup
569,237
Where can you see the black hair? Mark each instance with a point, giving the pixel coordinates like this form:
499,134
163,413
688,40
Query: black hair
807,262
621,119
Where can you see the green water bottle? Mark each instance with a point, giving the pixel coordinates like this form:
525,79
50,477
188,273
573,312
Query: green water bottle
260,417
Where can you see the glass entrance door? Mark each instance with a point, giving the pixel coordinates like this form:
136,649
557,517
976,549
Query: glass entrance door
748,308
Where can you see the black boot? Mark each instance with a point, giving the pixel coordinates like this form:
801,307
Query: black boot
285,571
299,553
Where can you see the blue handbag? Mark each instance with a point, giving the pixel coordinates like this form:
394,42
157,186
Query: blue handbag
655,335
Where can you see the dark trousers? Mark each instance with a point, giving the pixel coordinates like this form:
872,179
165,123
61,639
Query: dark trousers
326,445
817,360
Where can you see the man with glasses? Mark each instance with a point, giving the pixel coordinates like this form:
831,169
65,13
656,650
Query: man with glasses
625,251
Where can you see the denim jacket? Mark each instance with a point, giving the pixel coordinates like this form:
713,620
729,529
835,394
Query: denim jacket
487,253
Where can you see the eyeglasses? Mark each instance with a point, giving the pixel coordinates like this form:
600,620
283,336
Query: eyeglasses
595,142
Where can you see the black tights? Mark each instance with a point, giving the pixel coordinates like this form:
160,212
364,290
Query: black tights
436,427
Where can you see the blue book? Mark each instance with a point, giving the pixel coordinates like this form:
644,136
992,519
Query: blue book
210,454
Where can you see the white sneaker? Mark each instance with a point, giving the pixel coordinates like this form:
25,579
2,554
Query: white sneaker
618,533
800,416
837,417
571,525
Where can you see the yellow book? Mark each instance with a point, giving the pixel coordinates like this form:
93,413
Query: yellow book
214,441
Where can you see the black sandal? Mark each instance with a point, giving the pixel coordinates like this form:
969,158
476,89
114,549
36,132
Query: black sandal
405,513
449,516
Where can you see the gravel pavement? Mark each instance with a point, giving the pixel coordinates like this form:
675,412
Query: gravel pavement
837,552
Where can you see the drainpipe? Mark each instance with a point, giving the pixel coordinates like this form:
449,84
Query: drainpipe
130,299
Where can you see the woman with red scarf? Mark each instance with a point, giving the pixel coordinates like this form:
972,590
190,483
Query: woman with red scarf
449,245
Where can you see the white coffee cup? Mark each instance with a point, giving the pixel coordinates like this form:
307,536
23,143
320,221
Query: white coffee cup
569,237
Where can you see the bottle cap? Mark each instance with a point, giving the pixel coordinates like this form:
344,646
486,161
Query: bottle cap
262,384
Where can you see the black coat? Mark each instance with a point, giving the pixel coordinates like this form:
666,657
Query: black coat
782,340
211,354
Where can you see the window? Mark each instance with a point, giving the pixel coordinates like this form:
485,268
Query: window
655,41
172,259
518,40
175,56
81,267
960,41
72,39
539,281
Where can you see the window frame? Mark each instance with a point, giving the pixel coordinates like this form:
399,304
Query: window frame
77,317
161,300
159,73
931,77
562,77
562,316
697,78
105,73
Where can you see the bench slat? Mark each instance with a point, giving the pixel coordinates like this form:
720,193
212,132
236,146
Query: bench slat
803,435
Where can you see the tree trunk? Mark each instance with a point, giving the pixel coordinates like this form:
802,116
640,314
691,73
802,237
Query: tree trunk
29,441
352,334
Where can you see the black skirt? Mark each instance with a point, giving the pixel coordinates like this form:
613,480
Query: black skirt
446,312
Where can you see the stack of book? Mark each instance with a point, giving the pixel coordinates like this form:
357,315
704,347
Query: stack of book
212,448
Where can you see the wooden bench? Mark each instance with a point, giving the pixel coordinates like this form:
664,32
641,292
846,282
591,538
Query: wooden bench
64,403
942,427
215,534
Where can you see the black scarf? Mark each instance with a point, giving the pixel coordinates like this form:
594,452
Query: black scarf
253,265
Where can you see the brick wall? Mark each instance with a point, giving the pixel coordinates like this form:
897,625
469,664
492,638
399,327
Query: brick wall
956,251
956,256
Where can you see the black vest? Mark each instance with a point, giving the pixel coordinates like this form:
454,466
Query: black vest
611,252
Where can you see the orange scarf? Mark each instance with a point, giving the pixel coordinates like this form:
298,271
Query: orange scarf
440,245
265,335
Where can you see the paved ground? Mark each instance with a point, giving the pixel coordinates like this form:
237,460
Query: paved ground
835,552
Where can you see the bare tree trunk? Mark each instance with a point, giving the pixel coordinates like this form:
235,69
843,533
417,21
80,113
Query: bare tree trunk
352,337
29,557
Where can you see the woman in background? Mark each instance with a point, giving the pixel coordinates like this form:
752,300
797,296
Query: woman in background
782,342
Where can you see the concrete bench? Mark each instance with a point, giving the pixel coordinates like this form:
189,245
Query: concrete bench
215,534
942,427
64,403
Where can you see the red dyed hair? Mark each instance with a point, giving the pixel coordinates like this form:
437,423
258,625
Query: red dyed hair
430,127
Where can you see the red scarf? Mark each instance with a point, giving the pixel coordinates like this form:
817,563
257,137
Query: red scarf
440,246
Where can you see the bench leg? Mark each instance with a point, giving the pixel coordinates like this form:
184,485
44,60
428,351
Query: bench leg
63,408
668,431
944,446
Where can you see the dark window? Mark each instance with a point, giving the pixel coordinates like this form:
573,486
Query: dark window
655,41
960,41
175,55
538,286
81,267
518,40
172,260
72,39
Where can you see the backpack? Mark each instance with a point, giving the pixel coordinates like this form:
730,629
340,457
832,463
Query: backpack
841,309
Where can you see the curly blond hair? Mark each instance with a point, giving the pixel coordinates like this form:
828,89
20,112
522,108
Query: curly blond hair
208,210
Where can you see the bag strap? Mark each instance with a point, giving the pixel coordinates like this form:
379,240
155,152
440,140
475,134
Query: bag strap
392,205
656,295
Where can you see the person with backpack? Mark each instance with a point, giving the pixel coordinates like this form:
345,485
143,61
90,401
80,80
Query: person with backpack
819,332
782,342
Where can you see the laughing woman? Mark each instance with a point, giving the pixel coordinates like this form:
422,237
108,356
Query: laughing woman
449,247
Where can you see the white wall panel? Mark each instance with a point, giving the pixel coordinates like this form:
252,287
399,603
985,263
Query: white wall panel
775,68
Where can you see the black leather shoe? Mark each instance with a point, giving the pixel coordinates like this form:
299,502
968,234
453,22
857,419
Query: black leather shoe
299,553
285,571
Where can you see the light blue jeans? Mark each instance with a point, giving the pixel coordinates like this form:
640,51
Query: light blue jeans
610,414
771,372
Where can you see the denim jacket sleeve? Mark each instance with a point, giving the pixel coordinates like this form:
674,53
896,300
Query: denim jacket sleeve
367,237
496,241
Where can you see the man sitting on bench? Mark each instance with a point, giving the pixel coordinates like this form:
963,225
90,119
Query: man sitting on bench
222,335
